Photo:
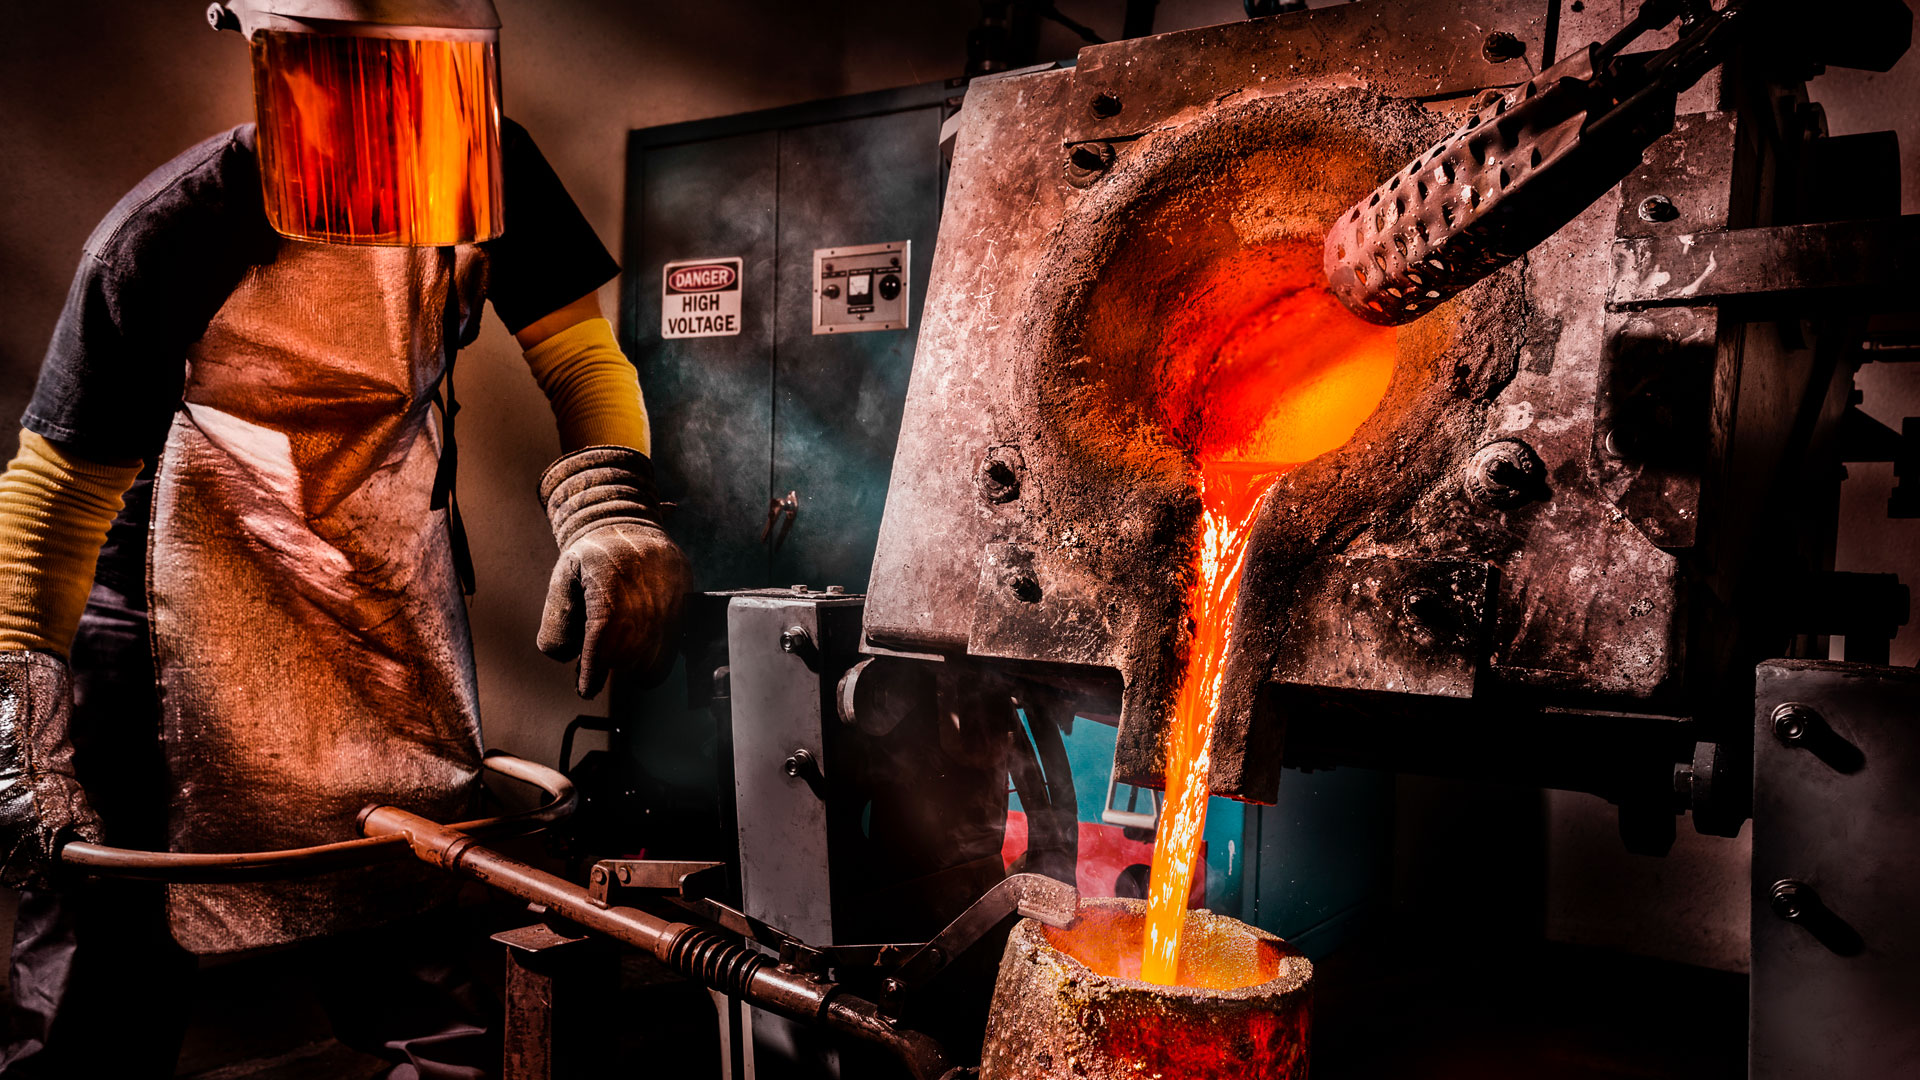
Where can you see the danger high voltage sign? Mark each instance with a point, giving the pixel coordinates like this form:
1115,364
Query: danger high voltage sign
700,298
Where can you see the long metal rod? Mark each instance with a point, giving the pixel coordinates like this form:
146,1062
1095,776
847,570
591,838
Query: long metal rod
713,959
236,866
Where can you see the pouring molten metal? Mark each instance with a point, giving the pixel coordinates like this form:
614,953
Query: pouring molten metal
1265,371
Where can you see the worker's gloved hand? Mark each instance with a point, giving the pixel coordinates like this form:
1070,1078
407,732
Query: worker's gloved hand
614,599
41,804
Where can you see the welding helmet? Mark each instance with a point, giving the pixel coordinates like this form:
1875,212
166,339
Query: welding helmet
379,120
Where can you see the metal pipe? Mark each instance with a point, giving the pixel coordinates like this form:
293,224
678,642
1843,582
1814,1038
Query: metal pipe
713,959
204,867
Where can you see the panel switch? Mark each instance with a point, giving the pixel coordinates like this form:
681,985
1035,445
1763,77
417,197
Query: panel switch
861,288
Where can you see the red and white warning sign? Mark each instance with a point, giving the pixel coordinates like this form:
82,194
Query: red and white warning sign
700,298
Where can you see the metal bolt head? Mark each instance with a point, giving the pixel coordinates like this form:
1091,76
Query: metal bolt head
892,985
1501,47
998,480
599,874
1087,161
794,639
798,762
1792,900
1657,208
1504,474
1792,721
836,590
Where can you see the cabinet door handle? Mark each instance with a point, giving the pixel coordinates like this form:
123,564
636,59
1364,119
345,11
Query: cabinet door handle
786,507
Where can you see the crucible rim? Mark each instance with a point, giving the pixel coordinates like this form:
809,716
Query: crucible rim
1295,975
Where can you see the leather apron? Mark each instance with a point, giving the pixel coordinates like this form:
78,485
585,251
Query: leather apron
310,631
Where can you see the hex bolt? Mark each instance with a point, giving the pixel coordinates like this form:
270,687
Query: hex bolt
1504,474
1793,900
1087,162
1657,208
795,639
997,480
798,763
599,874
1501,47
1793,722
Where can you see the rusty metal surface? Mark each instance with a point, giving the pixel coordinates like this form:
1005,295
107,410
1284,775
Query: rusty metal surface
1654,396
1875,256
1417,50
310,633
1005,538
1004,194
1022,596
1404,626
1065,1006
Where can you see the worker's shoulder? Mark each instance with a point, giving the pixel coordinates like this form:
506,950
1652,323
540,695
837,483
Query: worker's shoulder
213,184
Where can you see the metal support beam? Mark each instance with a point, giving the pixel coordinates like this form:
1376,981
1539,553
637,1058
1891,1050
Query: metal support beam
547,1036
1880,257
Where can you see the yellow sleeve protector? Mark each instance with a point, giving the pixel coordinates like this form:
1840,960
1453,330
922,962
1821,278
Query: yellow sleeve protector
54,513
593,387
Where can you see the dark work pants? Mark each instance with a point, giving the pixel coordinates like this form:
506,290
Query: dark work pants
99,986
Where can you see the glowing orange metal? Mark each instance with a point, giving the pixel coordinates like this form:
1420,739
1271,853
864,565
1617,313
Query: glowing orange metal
1280,375
379,140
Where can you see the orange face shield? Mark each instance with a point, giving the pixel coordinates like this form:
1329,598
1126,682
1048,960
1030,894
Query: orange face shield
379,139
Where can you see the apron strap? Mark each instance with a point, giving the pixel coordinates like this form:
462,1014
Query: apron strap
444,494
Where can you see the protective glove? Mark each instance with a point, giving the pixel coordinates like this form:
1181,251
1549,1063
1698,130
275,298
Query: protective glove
615,595
41,804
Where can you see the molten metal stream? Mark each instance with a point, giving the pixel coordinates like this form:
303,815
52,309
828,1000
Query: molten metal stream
1293,378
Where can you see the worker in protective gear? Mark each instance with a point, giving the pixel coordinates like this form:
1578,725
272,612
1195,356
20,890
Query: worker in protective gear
231,565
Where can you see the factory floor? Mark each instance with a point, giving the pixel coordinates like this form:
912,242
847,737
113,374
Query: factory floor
1435,1010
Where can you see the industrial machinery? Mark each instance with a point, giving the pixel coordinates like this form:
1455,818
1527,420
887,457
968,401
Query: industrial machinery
1582,537
1598,490
1596,496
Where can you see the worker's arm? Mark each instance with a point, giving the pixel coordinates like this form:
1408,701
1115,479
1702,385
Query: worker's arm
592,386
55,508
54,512
614,597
